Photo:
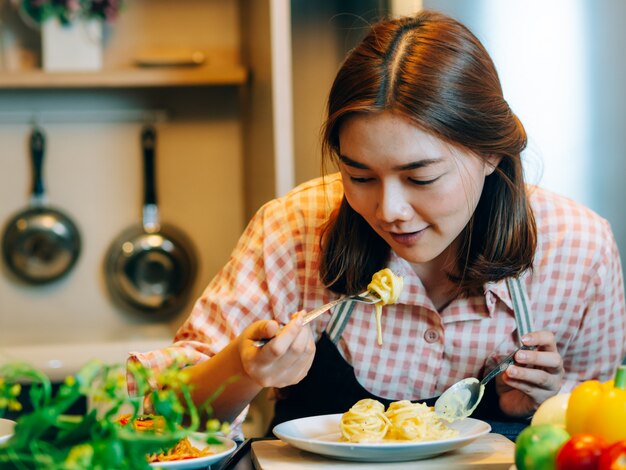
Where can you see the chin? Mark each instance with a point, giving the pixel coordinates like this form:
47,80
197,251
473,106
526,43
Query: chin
418,256
412,257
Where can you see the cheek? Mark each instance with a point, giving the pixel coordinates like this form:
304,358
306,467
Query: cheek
458,199
359,204
361,201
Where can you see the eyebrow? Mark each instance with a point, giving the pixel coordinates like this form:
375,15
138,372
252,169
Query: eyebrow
409,166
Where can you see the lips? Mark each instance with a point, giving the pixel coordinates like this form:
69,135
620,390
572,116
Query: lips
408,238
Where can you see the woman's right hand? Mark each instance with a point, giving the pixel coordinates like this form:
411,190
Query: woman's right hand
283,361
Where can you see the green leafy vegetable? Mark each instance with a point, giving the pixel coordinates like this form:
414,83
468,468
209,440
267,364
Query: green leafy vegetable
48,438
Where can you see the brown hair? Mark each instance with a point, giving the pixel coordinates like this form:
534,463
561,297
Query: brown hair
433,71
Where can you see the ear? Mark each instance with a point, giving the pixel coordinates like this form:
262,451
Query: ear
491,163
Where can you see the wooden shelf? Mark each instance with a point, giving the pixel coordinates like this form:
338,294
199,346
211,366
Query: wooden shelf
137,77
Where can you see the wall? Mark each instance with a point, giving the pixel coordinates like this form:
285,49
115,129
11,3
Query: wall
93,173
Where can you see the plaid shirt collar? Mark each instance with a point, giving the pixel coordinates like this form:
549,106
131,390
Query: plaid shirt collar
414,294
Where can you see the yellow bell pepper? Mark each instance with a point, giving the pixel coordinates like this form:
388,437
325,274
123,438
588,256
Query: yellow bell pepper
609,419
583,400
599,408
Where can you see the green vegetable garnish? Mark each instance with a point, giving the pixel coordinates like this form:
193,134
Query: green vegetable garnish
48,438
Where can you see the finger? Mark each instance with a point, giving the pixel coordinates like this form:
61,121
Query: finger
535,378
294,326
542,339
301,352
523,398
263,329
302,342
297,315
545,359
285,337
530,391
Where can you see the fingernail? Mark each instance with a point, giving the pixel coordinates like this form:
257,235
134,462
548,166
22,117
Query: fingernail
512,371
526,338
521,356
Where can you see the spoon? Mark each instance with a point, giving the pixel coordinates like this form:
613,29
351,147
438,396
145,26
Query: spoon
462,398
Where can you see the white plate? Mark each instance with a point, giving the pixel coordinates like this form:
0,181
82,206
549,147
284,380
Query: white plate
228,446
320,434
6,429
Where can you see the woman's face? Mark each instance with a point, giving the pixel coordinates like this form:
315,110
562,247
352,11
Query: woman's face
415,190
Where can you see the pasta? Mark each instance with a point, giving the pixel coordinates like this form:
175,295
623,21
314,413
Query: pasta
387,286
183,450
367,421
416,422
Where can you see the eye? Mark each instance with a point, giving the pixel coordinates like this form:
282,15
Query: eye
422,182
360,180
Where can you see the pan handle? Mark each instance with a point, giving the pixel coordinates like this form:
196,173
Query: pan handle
151,222
37,148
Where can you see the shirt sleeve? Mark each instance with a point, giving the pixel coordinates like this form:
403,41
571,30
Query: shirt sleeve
599,345
259,282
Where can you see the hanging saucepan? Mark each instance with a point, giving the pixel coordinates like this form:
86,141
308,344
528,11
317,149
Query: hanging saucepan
40,244
150,268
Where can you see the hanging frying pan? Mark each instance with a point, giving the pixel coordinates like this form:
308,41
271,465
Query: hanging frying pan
40,244
150,268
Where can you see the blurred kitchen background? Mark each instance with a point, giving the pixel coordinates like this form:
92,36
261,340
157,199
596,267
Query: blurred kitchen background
236,91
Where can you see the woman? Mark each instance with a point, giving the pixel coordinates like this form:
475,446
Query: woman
430,184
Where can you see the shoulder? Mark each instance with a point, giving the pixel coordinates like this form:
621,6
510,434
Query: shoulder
311,202
568,231
556,214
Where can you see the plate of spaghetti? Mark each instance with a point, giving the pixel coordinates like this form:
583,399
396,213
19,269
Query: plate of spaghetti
193,452
369,433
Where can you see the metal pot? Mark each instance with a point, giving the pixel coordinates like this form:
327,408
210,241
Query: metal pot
40,244
150,268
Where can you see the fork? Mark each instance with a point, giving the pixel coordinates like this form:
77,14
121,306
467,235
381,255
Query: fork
367,297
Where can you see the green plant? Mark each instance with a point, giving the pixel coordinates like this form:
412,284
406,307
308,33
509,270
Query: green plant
67,11
48,438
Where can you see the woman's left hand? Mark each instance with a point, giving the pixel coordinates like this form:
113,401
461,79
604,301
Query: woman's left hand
535,376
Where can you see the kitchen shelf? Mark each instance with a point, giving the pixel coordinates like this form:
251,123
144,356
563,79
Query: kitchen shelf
136,77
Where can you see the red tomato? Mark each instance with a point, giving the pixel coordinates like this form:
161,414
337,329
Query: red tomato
614,457
580,452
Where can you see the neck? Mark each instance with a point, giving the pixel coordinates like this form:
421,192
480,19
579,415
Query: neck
434,276
441,291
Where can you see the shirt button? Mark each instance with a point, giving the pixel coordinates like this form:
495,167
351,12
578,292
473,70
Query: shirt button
431,336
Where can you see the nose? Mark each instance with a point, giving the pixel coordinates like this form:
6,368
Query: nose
393,204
